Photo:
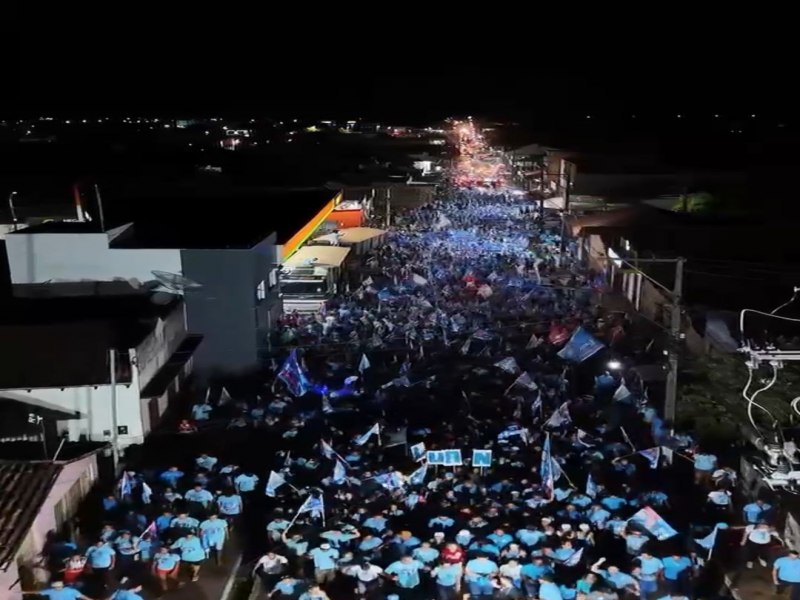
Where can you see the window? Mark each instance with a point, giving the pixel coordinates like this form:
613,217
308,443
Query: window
273,278
261,291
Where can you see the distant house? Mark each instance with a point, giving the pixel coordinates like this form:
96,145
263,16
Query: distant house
59,360
38,497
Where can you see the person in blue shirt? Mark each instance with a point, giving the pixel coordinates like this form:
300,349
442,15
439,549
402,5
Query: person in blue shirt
478,575
500,538
369,545
613,503
616,578
598,516
184,521
199,495
425,554
213,533
376,522
165,568
204,461
786,573
529,536
677,573
634,542
129,591
172,476
57,591
756,511
230,507
549,590
245,482
648,573
324,558
110,503
447,578
441,523
192,553
286,588
164,521
531,573
201,412
405,572
127,547
101,558
704,466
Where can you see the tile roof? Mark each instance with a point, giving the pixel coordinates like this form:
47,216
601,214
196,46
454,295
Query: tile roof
24,487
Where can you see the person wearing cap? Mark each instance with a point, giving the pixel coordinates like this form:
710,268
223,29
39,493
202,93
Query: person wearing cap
786,574
165,568
58,591
324,558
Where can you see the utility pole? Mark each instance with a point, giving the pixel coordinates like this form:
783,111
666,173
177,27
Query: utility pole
564,213
388,206
112,367
671,402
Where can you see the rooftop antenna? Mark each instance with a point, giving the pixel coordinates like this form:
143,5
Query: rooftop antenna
100,208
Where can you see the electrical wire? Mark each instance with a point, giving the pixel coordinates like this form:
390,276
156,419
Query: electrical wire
759,312
751,400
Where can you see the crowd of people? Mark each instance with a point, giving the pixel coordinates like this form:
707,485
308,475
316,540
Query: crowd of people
442,430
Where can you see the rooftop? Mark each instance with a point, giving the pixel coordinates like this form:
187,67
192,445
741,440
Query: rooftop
64,342
24,487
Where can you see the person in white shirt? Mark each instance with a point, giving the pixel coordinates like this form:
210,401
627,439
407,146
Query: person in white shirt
720,500
270,567
756,542
367,576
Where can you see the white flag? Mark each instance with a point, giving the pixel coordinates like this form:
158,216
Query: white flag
364,438
363,365
509,365
418,279
339,472
533,342
525,381
147,493
622,392
560,417
275,481
224,397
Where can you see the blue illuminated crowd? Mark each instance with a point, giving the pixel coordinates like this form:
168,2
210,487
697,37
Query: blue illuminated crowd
468,332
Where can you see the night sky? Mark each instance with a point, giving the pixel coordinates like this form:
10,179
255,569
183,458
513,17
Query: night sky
243,66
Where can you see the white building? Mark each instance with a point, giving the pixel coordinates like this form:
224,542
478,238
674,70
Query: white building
62,353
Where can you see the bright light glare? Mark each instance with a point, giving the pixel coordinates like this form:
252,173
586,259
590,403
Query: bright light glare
614,365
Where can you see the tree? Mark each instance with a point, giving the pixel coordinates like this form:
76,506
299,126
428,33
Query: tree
710,400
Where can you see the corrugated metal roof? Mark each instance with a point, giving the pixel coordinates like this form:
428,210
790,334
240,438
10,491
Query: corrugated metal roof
24,487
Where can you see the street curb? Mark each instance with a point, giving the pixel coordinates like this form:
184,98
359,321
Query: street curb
226,591
728,581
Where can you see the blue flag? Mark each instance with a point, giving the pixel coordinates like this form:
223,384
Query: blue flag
581,345
546,468
591,486
339,472
293,376
418,476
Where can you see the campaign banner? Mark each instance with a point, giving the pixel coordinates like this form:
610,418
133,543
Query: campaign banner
481,458
452,458
435,457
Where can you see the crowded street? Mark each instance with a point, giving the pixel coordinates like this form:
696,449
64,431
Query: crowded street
465,419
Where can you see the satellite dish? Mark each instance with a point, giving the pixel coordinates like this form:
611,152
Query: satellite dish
174,283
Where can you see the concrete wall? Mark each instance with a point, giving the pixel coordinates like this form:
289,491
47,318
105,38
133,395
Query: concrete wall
72,486
157,348
227,310
93,403
35,258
